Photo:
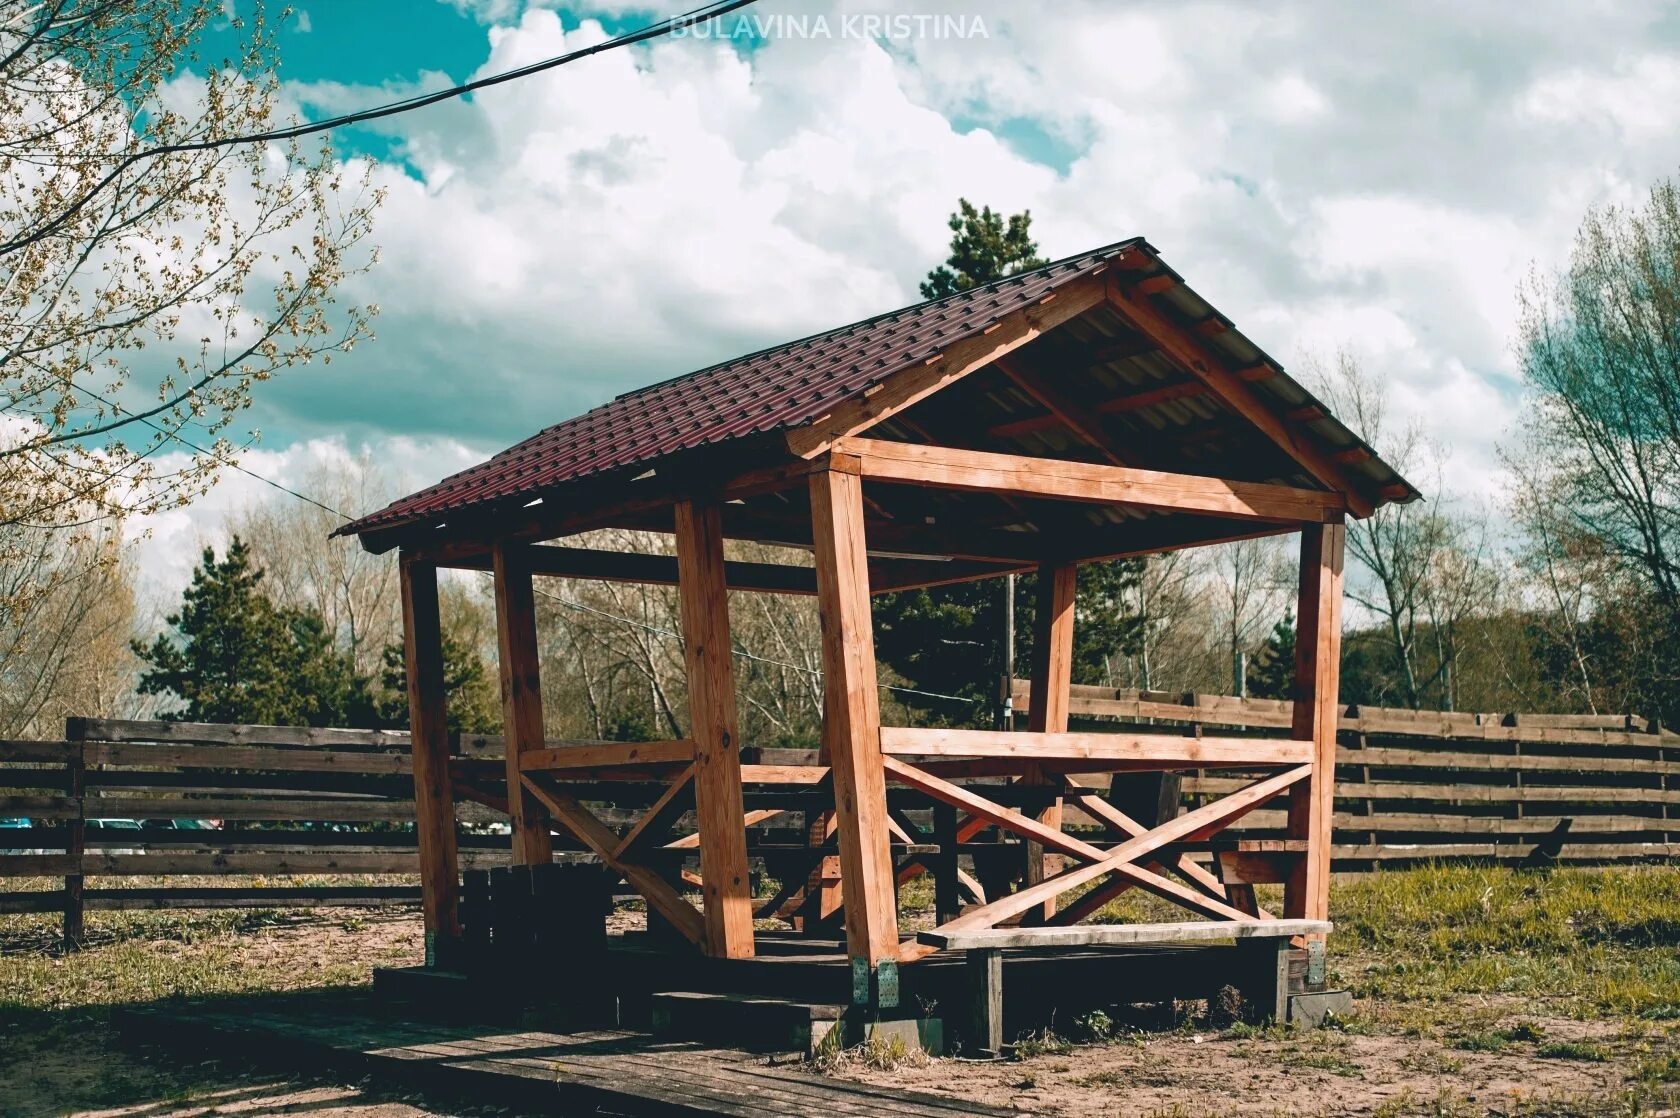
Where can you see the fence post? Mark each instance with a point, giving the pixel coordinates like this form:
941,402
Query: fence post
75,839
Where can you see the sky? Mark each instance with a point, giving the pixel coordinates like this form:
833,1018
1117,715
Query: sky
1375,178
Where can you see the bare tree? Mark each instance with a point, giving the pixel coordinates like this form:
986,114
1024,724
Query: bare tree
142,296
64,639
355,593
1421,569
1250,584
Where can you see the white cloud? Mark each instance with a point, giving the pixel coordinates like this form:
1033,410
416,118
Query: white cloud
1377,177
167,545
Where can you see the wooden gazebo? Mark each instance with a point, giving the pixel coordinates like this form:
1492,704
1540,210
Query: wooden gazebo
1090,409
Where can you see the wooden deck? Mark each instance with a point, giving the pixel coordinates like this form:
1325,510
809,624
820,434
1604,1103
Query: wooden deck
586,1072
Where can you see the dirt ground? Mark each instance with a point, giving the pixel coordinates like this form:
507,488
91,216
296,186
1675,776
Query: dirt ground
1446,1055
1370,1067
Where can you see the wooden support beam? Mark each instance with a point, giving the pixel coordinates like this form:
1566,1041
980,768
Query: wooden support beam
522,714
434,800
1119,859
1189,351
1051,690
1093,804
1079,418
1031,747
660,814
886,574
852,723
1318,652
559,561
1148,398
660,895
589,755
748,819
709,658
978,471
907,387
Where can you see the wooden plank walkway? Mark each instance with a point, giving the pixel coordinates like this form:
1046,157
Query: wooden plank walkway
574,1073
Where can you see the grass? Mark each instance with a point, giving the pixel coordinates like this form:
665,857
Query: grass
1471,963
1595,943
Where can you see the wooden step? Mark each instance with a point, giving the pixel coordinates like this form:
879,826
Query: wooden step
752,1023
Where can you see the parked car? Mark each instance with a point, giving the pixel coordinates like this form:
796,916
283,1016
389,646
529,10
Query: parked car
14,825
96,835
177,825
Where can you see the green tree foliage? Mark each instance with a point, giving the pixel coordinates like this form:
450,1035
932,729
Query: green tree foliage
985,246
1271,673
232,655
949,639
472,699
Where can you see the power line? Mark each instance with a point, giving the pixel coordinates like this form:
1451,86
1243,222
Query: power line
297,131
741,652
190,445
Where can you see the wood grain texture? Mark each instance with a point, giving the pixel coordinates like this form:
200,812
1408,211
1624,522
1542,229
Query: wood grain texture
852,716
1052,682
1118,859
596,754
708,657
1123,934
983,471
434,800
1318,650
522,714
597,836
1192,354
1028,746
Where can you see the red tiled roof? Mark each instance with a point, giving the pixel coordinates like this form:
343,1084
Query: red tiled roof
771,390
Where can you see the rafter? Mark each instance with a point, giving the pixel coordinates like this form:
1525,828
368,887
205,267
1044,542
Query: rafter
1187,349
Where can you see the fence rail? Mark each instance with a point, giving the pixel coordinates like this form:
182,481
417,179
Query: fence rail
1424,785
295,804
289,804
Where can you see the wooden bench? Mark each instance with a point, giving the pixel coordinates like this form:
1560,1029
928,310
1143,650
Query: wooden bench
1263,969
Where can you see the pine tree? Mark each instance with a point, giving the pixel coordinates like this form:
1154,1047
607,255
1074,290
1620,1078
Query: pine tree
985,246
1271,671
471,698
232,655
946,639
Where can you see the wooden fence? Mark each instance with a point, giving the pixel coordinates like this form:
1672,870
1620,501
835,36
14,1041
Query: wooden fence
287,803
299,804
1418,786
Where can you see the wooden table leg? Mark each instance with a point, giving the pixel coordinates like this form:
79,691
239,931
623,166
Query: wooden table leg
1263,977
985,980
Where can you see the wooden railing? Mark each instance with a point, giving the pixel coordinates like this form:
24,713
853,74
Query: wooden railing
1422,785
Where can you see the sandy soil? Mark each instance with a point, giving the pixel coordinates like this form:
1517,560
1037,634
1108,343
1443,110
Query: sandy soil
1391,1060
1321,1073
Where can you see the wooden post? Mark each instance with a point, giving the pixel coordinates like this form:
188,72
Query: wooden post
717,747
1052,682
434,800
822,885
1318,653
985,991
75,837
946,905
1263,978
522,715
852,731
